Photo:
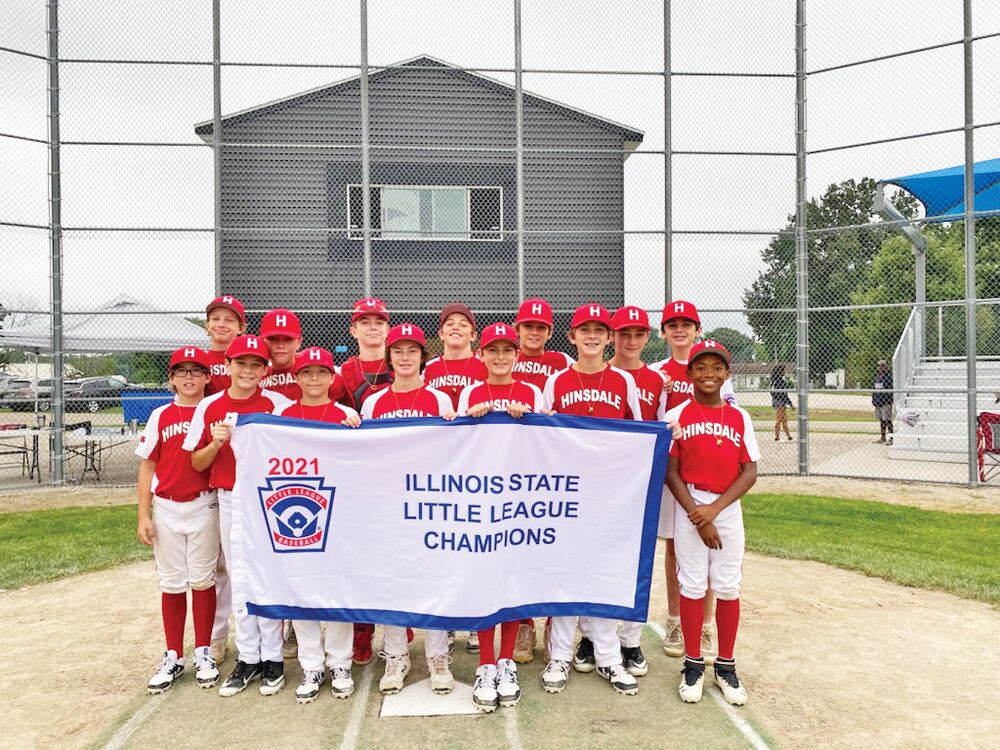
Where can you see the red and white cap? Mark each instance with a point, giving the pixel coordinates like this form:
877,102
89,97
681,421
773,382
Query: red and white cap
314,355
497,332
248,345
370,306
591,313
709,347
406,332
280,322
229,302
629,316
535,310
680,309
190,355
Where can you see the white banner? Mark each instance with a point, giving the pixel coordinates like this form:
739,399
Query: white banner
449,525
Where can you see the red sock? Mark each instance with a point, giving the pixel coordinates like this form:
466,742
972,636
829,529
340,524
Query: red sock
486,655
508,637
692,618
727,620
203,614
528,621
174,607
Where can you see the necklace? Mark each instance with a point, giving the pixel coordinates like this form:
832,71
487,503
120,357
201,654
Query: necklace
395,398
322,417
722,420
590,404
444,363
489,392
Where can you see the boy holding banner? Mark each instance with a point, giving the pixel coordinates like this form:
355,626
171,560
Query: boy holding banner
590,388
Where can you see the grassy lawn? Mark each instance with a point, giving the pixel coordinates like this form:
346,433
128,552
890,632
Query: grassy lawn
44,545
766,413
954,552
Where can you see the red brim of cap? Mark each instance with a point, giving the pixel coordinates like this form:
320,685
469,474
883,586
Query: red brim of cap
235,310
533,319
696,321
271,332
377,314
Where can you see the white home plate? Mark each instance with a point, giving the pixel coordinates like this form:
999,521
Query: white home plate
418,700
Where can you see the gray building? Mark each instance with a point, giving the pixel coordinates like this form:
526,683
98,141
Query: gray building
442,195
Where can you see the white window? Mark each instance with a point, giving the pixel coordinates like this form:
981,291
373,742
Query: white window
428,212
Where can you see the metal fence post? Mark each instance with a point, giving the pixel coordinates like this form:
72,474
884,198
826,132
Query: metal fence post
519,148
366,202
217,136
801,246
668,196
55,241
970,251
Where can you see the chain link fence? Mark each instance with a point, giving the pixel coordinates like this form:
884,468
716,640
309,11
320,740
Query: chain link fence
493,151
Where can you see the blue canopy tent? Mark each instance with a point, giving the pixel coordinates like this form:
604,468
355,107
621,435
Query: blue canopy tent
942,191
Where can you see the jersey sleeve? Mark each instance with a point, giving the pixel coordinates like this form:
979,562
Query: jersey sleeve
368,407
549,392
728,392
197,434
444,402
750,452
279,400
348,411
661,399
539,399
674,415
569,360
632,396
149,443
279,410
463,400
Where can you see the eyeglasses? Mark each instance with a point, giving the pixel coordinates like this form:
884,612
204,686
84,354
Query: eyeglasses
189,372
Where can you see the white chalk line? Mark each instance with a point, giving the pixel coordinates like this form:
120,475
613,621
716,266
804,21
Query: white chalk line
136,720
353,730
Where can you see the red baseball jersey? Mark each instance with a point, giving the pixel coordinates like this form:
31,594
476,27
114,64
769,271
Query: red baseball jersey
331,412
712,443
682,388
283,382
501,396
652,397
420,402
362,378
450,376
174,477
213,410
537,370
610,393
221,379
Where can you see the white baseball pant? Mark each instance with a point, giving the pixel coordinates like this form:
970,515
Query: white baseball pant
394,641
185,542
696,563
223,598
603,633
665,526
257,638
334,649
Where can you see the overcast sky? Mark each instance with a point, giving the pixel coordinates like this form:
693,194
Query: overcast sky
161,187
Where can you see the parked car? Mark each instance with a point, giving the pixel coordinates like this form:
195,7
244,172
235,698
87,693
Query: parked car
21,394
93,394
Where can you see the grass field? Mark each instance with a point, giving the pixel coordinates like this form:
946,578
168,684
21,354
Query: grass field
815,415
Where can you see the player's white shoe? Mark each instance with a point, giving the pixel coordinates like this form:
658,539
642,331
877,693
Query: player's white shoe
555,676
673,640
219,650
169,670
508,688
484,690
341,682
289,641
708,649
620,679
272,677
308,689
728,682
692,680
442,681
472,645
524,645
206,671
396,669
634,661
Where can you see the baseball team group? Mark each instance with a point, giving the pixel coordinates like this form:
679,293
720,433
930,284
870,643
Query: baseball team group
188,470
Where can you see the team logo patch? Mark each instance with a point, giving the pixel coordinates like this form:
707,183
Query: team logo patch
297,513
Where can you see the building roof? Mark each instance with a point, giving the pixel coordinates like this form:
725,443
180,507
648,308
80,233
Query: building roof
630,136
942,191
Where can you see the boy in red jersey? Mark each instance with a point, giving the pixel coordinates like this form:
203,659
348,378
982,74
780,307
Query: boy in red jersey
282,331
225,320
367,372
457,366
496,681
713,463
534,328
184,529
406,353
314,372
590,388
257,639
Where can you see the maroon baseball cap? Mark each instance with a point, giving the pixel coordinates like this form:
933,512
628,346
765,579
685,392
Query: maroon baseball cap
458,307
535,310
680,309
190,355
708,347
591,313
497,332
280,322
248,345
629,316
229,302
370,306
314,355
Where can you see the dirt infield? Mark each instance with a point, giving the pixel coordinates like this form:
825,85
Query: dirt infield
831,658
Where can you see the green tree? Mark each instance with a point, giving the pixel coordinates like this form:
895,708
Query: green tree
742,347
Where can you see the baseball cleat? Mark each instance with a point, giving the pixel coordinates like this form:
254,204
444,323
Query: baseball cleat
206,672
272,677
219,650
396,669
451,641
635,662
289,641
363,643
341,682
484,690
730,685
169,670
308,689
524,645
583,659
472,645
692,680
241,676
508,688
442,681
555,676
620,679
673,640
708,649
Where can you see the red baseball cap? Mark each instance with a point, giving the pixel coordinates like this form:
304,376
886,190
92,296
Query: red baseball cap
709,347
314,355
458,307
629,316
190,355
497,332
280,322
253,345
229,302
534,310
591,313
370,306
406,332
680,309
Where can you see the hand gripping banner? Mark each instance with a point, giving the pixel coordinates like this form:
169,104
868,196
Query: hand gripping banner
448,525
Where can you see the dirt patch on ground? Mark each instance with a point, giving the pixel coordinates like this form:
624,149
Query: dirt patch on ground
45,498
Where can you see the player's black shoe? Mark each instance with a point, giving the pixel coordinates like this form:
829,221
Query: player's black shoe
239,678
583,659
634,661
272,677
729,683
692,680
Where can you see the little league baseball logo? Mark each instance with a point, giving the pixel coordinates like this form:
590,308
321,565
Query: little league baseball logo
297,513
